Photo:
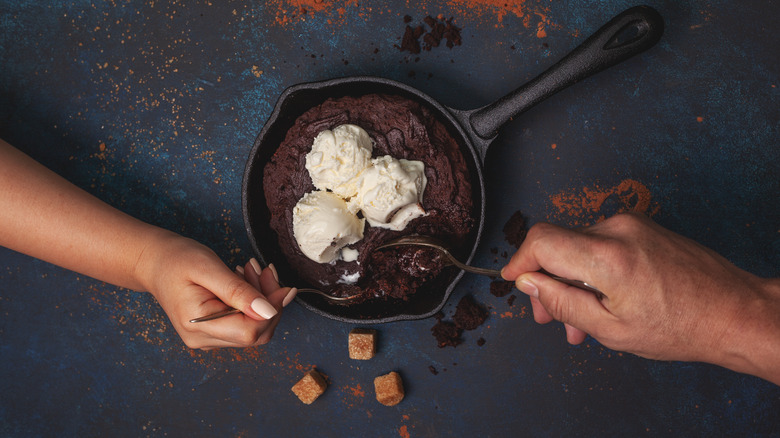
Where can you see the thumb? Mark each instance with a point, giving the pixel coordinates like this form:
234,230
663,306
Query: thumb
570,305
239,294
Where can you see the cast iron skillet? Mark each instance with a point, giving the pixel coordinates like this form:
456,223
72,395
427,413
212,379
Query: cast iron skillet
630,33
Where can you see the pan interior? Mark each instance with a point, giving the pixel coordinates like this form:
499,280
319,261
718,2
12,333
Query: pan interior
294,102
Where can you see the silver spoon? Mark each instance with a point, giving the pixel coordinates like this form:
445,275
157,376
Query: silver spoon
426,241
232,311
431,242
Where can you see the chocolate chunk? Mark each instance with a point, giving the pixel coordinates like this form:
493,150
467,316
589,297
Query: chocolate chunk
468,314
501,288
516,229
447,334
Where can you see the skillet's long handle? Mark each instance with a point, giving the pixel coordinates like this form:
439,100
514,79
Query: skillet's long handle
630,33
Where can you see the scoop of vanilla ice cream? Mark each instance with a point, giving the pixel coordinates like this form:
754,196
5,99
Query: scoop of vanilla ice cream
337,157
389,192
323,225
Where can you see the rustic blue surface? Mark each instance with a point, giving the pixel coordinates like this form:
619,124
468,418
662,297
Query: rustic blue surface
153,107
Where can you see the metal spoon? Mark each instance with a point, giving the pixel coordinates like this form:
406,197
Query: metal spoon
232,311
431,242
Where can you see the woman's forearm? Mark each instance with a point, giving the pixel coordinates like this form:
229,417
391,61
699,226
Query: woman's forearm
45,216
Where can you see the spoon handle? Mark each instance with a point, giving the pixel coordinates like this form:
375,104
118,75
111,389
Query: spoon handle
217,315
576,283
497,274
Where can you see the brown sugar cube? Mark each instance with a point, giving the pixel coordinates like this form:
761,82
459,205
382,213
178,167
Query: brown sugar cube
311,386
362,344
389,389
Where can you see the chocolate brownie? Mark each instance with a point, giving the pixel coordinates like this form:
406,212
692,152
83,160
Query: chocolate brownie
401,128
468,314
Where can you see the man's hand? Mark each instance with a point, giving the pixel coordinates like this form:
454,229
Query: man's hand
665,296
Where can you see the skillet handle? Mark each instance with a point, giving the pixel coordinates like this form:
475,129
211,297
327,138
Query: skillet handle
630,33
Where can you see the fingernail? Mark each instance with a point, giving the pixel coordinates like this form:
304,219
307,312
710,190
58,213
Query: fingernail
263,308
290,296
240,270
273,271
528,288
256,266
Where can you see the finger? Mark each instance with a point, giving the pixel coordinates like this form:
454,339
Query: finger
237,330
236,292
567,304
563,252
269,285
540,313
267,282
252,274
574,335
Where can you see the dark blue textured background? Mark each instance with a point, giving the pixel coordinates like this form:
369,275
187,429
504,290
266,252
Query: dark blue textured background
153,107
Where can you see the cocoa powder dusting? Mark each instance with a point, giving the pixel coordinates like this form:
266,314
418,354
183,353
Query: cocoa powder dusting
594,204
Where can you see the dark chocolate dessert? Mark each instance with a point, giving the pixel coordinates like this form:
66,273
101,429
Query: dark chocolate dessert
402,129
468,314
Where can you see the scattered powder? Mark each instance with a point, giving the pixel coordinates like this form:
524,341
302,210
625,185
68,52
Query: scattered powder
356,390
533,14
289,11
500,8
594,204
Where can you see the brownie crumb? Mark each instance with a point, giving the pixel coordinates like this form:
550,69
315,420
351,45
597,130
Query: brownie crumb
516,229
409,41
511,300
433,370
501,288
481,341
439,30
468,314
447,334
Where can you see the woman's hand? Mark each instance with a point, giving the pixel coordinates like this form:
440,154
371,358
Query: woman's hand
190,281
665,296
45,216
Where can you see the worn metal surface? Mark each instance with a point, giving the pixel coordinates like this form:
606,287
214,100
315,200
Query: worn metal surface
153,107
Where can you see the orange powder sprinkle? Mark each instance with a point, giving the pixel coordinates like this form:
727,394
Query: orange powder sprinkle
498,7
356,390
700,119
540,32
582,207
403,431
311,5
